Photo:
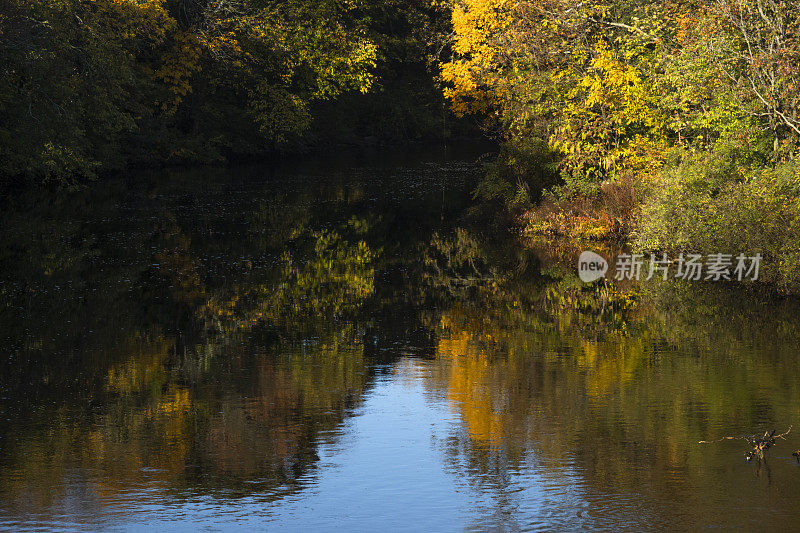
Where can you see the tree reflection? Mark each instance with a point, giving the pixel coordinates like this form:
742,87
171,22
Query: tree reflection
185,365
207,342
622,395
201,337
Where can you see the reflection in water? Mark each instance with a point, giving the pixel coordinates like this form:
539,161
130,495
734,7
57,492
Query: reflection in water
311,346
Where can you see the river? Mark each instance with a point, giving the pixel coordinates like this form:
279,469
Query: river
346,343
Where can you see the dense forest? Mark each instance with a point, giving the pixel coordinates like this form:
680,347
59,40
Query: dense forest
89,87
672,124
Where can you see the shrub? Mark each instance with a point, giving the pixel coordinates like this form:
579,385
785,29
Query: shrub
727,200
608,213
524,169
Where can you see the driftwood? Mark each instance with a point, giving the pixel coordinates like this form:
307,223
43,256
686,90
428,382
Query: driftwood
759,444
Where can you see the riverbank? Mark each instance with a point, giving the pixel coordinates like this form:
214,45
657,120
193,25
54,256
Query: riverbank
728,200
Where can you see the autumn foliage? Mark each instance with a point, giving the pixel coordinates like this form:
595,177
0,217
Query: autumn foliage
620,94
613,87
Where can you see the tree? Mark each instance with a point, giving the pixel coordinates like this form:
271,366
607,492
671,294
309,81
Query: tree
765,62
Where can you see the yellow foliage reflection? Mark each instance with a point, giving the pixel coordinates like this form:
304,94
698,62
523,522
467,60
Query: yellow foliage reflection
469,386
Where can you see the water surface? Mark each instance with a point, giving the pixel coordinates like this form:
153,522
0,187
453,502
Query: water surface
346,343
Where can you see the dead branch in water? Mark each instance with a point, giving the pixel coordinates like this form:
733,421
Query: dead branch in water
759,444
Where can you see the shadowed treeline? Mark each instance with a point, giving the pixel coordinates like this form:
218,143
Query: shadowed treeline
90,88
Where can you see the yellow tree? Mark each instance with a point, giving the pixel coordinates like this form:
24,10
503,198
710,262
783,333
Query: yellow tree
475,75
